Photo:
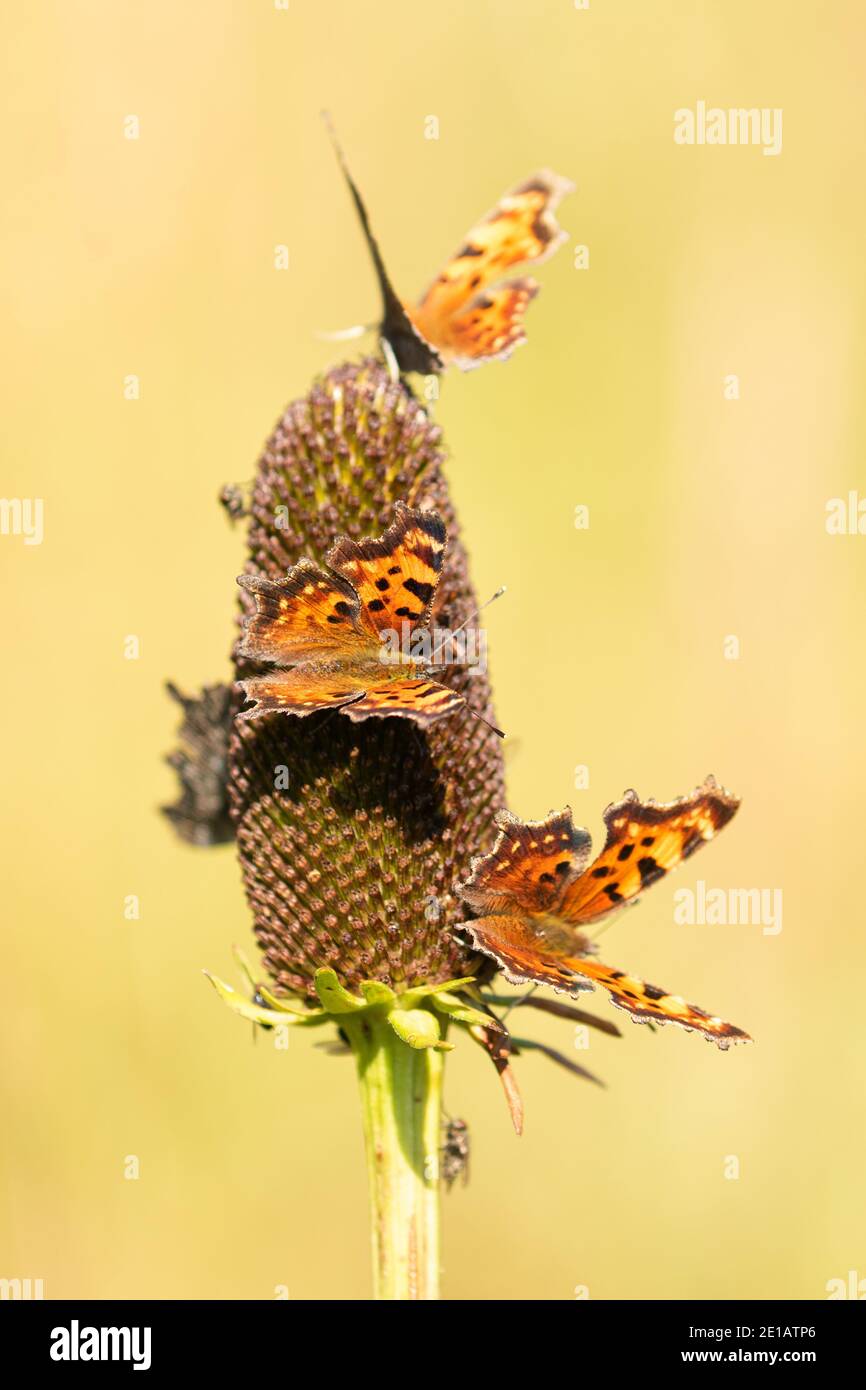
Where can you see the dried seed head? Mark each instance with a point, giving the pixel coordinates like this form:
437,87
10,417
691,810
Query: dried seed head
201,814
347,832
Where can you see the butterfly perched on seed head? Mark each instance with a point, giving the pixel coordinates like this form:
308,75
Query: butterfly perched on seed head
470,314
536,891
326,630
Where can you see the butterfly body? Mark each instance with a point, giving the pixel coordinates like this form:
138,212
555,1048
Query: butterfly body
558,937
346,636
537,890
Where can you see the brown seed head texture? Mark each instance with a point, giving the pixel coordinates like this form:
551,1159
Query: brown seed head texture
351,836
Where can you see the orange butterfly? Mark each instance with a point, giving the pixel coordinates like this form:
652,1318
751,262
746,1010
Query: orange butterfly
327,631
536,890
469,315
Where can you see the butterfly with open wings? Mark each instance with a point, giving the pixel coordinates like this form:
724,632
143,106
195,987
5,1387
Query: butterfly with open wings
470,314
326,630
536,891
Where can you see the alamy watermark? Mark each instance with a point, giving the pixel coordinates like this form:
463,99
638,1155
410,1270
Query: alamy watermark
845,516
22,516
852,1287
17,1290
436,646
718,125
729,907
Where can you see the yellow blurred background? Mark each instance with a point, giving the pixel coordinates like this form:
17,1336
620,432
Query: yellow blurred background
154,257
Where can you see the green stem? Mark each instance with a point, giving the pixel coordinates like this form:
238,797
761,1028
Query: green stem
401,1097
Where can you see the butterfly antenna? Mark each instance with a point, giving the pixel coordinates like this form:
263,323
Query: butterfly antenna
475,715
480,609
518,999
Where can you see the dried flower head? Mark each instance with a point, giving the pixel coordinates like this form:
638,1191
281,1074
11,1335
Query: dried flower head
201,813
346,832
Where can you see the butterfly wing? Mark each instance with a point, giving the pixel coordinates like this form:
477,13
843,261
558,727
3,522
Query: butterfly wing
360,692
303,690
538,898
394,576
423,700
306,616
454,321
492,325
529,865
530,957
645,840
412,352
329,627
465,314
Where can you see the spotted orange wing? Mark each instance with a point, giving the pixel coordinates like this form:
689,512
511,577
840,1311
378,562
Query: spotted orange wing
308,615
467,315
395,576
305,689
420,699
326,628
528,956
537,893
360,692
491,326
528,866
645,840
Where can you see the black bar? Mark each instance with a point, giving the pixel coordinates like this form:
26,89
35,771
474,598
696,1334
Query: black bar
258,1338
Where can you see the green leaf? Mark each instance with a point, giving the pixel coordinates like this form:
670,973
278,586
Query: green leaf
415,996
375,992
270,999
418,1028
462,1013
242,960
274,1002
557,1007
335,999
530,1045
254,1012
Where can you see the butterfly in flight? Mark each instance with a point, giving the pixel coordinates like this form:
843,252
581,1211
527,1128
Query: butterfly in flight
350,637
536,891
470,314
